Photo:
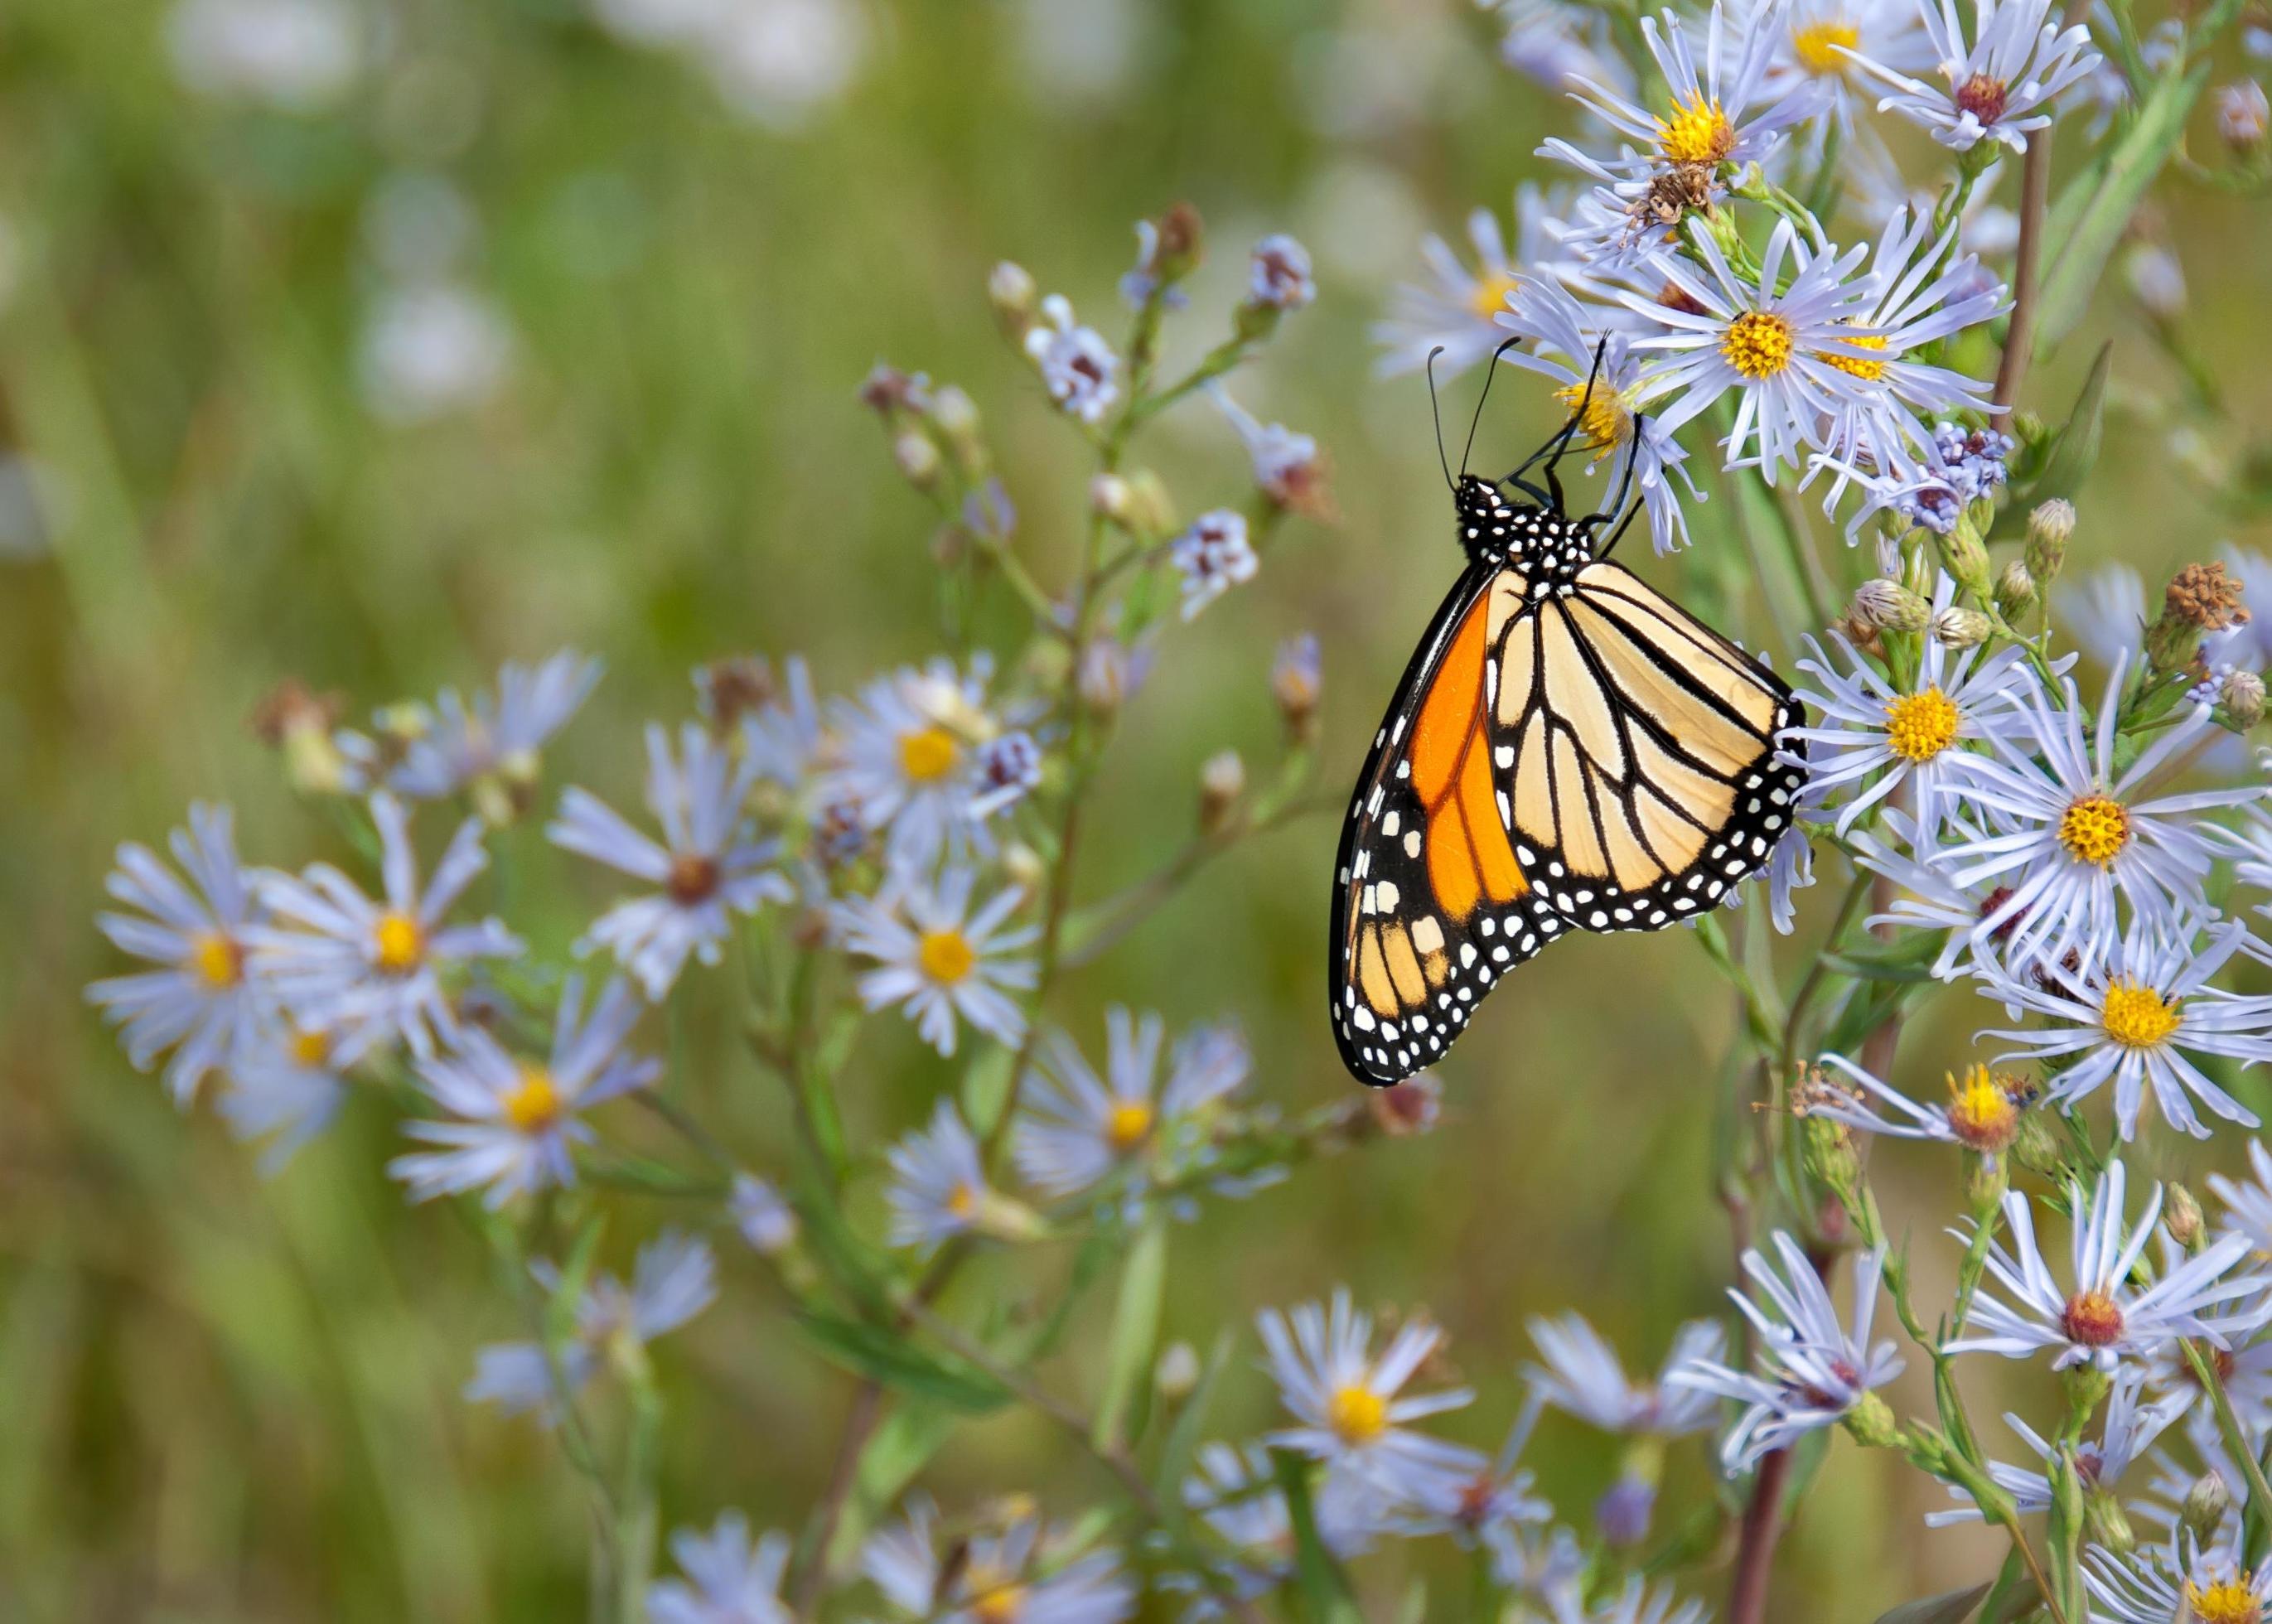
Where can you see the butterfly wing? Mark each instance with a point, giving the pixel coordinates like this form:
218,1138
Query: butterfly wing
1637,749
1430,905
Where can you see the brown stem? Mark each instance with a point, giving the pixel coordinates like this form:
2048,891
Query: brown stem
843,1475
1747,1592
2035,197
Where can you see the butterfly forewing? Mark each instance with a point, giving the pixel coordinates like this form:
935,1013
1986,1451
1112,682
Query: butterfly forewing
1636,749
1430,904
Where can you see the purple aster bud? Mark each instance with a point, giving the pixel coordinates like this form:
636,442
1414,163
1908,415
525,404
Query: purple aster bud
1623,1511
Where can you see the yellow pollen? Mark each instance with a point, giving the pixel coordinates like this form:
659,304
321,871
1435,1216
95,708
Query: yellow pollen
1357,1414
947,956
1816,45
1490,296
398,943
535,1105
216,959
1757,343
1697,133
963,1201
2227,1601
1919,726
928,754
995,1597
2093,1318
311,1048
2135,1017
2094,829
1868,372
1129,1125
1607,421
1981,1113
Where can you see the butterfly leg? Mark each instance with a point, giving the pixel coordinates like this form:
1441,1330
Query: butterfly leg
1552,452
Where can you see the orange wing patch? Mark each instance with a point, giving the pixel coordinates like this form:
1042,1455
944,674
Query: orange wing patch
1468,856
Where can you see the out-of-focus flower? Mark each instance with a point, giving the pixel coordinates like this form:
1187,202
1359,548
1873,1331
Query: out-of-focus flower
1016,1573
1553,42
2131,1016
1235,1491
429,349
917,754
1079,1129
766,1222
1288,467
674,1278
1819,41
2129,1431
490,747
729,1579
1813,1370
2157,281
202,1005
1212,555
1278,274
1583,1375
707,868
1458,308
937,960
284,1089
299,55
1636,1603
1492,1500
2242,114
2000,85
516,1121
366,970
778,63
1347,1399
1077,365
2103,612
2106,1319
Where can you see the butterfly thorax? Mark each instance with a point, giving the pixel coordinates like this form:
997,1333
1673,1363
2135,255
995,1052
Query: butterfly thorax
1539,542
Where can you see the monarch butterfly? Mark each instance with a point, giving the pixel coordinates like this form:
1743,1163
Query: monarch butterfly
1568,749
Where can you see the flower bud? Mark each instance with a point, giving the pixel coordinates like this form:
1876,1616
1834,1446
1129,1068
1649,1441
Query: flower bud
1407,1108
1151,510
917,457
1010,288
2242,114
1828,1148
1024,867
1222,780
2240,700
1957,627
2199,597
1888,606
1623,1511
1296,679
2107,1526
1177,1376
2206,1504
1110,672
2015,592
2034,1148
2181,1216
1964,555
1871,1423
2157,281
956,414
297,721
2050,528
1180,243
1110,497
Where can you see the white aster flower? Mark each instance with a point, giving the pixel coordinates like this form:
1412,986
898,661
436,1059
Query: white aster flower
370,971
1812,1369
2132,1014
1077,365
203,1005
2074,833
516,1122
767,1221
496,739
1495,1498
939,960
1235,1491
2103,612
1583,1376
1278,274
1347,1399
1554,41
920,754
2178,1581
2129,1430
1212,555
285,1089
2106,1319
1023,1572
299,55
707,867
729,1579
1997,85
674,1278
938,1188
1982,1115
1457,310
1635,1603
1819,41
1078,1130
1288,467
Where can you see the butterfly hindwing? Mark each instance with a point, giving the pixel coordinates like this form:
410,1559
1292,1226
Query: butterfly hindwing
1636,751
1430,904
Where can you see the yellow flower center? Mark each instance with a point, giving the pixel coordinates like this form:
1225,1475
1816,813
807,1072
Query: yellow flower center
310,1049
1919,726
1607,422
947,956
216,960
996,1597
1129,1125
2224,1601
1869,371
535,1104
928,754
2094,829
1816,45
1490,296
1757,344
1357,1414
963,1201
2135,1017
1697,133
397,944
2093,1318
1981,1113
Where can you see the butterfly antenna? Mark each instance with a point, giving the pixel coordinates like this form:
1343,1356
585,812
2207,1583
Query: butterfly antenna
1436,410
1476,421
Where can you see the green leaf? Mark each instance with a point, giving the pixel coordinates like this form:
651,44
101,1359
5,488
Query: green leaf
883,1357
1183,1437
1872,968
1326,1597
1135,1333
2067,457
1949,1607
2063,1535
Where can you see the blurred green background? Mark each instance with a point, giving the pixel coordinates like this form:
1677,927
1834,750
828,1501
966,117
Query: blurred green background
227,1398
